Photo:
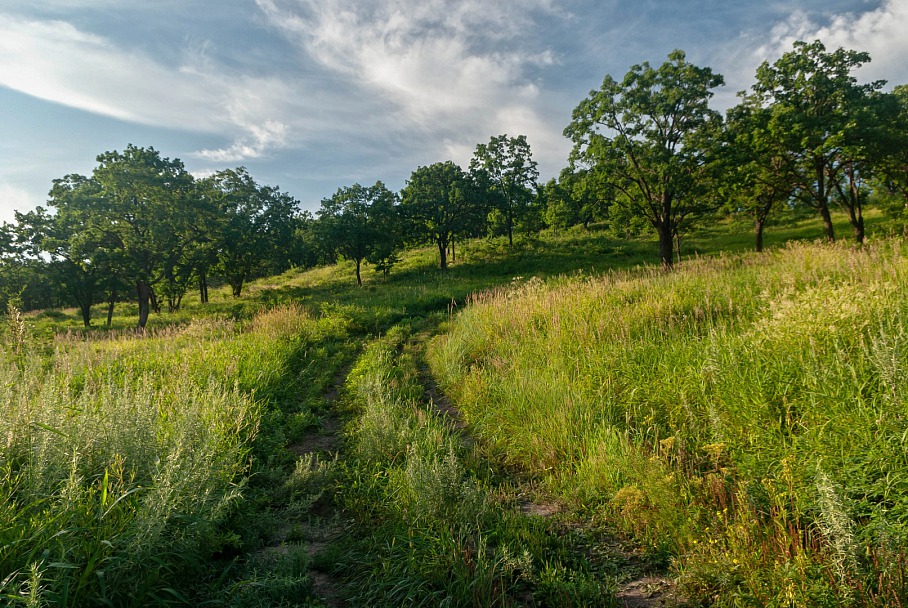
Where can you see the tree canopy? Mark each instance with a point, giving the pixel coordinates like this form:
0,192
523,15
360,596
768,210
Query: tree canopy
813,99
361,223
647,134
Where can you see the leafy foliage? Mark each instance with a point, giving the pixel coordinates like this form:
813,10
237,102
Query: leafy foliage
647,133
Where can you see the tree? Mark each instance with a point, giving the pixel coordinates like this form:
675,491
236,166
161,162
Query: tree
892,168
439,202
256,223
360,224
754,166
68,243
648,134
512,174
581,196
813,99
142,215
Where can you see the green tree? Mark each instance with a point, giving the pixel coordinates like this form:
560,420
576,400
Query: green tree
892,167
142,216
649,135
814,102
67,241
255,224
508,163
582,196
754,167
439,203
360,224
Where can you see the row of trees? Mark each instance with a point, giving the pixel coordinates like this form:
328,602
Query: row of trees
440,204
141,223
648,152
807,134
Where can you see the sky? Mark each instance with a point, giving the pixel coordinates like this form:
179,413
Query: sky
314,95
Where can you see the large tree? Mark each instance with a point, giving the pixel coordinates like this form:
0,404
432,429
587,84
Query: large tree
439,203
361,224
511,171
256,223
647,133
143,214
816,104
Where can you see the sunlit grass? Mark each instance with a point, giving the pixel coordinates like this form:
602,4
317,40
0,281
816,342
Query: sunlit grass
126,456
720,412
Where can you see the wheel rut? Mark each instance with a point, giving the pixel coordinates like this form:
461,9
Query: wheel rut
320,525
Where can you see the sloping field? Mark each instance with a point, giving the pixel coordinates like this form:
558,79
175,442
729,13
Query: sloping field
745,417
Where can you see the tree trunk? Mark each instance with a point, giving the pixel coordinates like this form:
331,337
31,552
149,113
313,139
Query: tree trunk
510,226
236,287
144,293
827,222
359,278
155,305
852,202
453,252
443,254
86,314
666,246
823,199
203,288
859,229
758,230
110,307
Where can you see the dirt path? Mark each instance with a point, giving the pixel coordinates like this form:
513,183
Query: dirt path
644,590
320,526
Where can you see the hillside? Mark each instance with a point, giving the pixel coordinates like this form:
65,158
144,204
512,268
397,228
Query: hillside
548,425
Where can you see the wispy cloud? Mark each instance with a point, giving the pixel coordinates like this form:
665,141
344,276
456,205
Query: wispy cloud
453,71
56,61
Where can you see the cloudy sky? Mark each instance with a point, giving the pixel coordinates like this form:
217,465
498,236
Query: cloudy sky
312,95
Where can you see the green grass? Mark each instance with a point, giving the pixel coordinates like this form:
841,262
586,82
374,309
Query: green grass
744,415
151,468
429,527
131,462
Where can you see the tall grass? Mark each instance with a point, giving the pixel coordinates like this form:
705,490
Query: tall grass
745,415
124,460
428,531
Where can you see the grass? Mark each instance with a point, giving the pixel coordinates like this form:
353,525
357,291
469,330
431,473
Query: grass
152,468
429,527
132,462
743,415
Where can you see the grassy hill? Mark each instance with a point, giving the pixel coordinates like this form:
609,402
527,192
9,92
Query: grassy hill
549,425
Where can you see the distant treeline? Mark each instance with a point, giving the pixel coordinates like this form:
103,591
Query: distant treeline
648,153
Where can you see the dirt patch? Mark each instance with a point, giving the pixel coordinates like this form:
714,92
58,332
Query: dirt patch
648,592
539,509
324,585
325,440
442,406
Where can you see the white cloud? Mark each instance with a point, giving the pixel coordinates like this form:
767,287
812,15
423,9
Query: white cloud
262,138
55,61
13,198
456,71
881,32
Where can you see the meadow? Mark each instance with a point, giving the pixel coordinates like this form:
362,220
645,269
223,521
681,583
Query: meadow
743,417
541,425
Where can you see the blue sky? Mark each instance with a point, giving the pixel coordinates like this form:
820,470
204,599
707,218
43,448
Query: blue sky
311,95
